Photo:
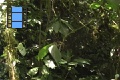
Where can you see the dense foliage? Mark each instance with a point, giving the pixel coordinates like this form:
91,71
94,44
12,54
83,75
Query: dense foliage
64,39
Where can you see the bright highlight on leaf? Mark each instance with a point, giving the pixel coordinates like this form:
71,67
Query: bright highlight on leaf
32,71
95,5
50,64
1,1
45,71
43,52
54,51
21,49
114,4
82,61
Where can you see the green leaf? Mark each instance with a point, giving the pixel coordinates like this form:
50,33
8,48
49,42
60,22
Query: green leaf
63,61
67,24
117,76
115,26
108,6
21,49
50,64
61,26
36,78
54,51
33,71
64,30
72,63
95,5
56,26
82,61
114,4
43,52
45,71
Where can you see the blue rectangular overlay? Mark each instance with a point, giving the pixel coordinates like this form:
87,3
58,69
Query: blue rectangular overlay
16,9
16,24
17,17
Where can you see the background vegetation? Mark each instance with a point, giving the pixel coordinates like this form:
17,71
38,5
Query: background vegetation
63,40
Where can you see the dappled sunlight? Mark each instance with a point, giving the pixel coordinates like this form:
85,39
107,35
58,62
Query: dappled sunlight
1,1
62,40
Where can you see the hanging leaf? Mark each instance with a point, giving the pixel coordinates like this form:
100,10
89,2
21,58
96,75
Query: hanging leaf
64,30
21,49
54,51
33,71
67,24
43,52
56,26
61,26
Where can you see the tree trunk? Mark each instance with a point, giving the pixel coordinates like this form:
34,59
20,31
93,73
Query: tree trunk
10,50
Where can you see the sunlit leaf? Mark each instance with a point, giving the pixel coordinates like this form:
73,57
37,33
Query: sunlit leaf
114,4
36,78
50,64
73,63
108,6
21,49
1,1
82,61
116,76
54,51
43,52
33,71
115,26
95,5
45,70
63,61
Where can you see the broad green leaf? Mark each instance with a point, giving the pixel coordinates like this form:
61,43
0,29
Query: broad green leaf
33,71
54,51
95,5
82,61
56,26
21,49
64,30
63,61
43,52
61,26
67,24
72,63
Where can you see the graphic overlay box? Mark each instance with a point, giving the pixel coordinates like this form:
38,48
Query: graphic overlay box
17,9
16,17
